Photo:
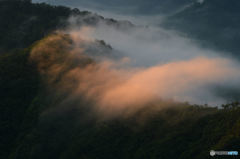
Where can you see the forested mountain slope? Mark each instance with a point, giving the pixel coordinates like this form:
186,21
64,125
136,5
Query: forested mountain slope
23,22
36,125
38,119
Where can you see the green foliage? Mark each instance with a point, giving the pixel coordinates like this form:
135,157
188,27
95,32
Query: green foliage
197,131
22,23
232,105
19,85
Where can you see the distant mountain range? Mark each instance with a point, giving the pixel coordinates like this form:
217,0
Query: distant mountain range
215,23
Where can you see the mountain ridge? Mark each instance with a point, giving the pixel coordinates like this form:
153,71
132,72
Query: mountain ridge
213,23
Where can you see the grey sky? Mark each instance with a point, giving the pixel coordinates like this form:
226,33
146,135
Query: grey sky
141,7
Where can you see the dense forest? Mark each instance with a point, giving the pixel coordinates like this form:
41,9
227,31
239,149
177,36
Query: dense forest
23,22
33,127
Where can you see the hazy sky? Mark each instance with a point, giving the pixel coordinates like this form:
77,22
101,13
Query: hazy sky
134,7
142,12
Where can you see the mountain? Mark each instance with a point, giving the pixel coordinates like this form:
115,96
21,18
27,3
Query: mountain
39,119
214,23
36,123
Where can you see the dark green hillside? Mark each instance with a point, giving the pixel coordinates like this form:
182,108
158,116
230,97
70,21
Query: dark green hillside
185,132
44,127
22,23
18,87
215,23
